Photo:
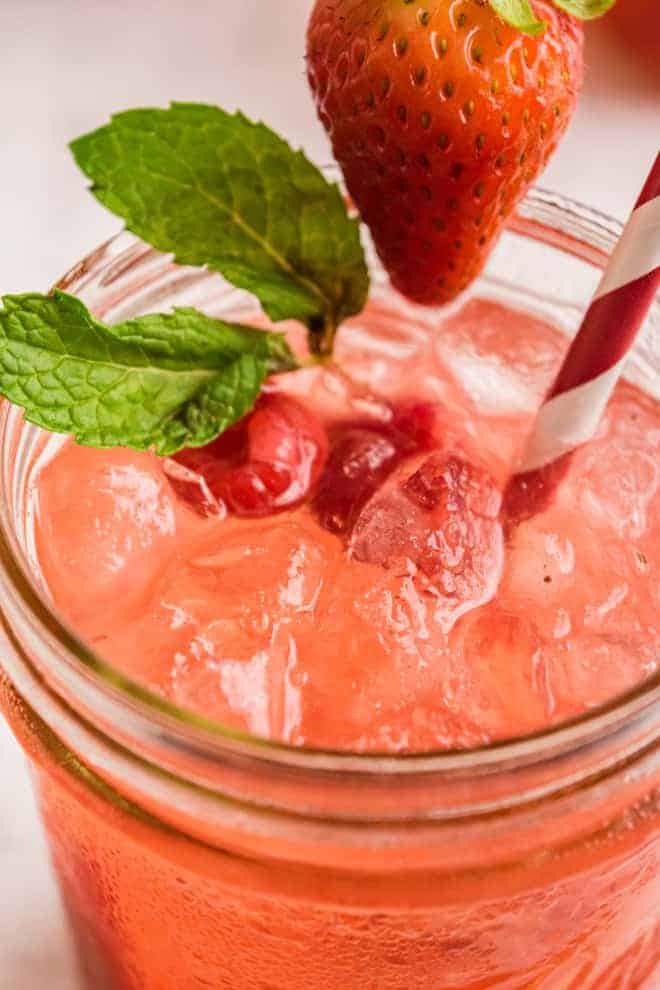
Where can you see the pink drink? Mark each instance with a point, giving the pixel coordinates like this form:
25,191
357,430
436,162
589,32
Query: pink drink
385,611
382,612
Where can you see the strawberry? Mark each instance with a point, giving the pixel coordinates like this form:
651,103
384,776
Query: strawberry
441,115
363,457
266,463
360,461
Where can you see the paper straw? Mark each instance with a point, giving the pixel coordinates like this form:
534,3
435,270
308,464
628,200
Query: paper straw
575,404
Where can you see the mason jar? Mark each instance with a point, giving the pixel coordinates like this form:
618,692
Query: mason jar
193,856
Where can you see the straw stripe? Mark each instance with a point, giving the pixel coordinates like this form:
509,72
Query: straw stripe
570,419
608,331
636,254
595,360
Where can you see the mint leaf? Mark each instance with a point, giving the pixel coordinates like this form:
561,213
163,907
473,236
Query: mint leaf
586,10
519,14
218,190
161,381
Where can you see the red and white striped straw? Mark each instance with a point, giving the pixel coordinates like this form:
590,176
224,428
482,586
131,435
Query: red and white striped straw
576,402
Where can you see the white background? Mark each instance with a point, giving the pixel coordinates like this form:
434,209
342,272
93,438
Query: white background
65,66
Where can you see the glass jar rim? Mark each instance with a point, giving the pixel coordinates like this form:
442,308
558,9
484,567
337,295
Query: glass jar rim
537,218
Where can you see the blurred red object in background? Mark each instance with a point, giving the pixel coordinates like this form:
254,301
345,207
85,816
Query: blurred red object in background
637,24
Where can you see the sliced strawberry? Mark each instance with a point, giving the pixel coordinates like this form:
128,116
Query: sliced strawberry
359,463
260,489
418,426
364,456
266,463
191,487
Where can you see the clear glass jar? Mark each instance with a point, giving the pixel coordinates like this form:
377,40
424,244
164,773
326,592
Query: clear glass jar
191,856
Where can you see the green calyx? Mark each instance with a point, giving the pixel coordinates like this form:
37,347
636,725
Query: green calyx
585,10
520,13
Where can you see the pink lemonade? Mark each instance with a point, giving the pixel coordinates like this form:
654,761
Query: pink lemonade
379,611
335,574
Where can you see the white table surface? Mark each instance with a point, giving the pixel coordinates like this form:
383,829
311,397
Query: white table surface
66,64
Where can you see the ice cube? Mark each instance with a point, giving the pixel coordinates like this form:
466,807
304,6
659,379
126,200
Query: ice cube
441,520
221,634
107,528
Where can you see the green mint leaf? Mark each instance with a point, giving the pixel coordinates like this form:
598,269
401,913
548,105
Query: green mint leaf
519,14
158,381
218,190
586,10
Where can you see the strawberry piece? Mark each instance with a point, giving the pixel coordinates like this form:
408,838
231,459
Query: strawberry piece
443,520
418,426
364,456
359,463
441,116
191,487
267,463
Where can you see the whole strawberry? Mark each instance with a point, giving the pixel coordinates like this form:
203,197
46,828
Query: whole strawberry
440,115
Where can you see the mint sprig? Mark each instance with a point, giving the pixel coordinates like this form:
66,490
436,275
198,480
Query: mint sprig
217,190
158,381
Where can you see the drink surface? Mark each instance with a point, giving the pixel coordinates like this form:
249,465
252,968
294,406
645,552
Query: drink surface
384,609
335,574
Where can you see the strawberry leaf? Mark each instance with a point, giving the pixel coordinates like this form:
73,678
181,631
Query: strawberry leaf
585,10
218,190
519,14
159,381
